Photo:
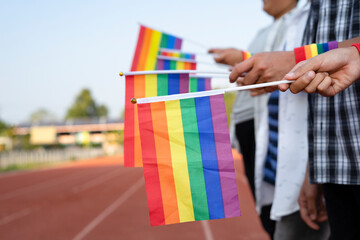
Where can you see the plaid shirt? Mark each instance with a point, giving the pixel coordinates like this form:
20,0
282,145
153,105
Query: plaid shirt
334,122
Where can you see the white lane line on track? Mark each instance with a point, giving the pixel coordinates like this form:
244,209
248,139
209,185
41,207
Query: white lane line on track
207,230
110,209
39,186
96,181
14,216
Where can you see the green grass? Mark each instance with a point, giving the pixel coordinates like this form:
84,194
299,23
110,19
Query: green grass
28,166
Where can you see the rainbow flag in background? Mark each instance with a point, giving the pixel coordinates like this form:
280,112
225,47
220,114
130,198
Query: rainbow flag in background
148,44
176,54
198,84
175,64
140,86
188,163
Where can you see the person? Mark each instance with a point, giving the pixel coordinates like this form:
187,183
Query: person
327,74
333,126
247,110
282,131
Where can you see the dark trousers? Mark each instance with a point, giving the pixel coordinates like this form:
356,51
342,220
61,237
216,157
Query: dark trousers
245,135
343,207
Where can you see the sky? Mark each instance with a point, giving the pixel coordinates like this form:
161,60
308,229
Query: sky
50,50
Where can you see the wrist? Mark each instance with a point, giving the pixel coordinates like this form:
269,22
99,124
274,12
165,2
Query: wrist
309,51
357,46
246,55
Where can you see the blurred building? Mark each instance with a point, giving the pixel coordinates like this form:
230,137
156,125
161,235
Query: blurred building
89,132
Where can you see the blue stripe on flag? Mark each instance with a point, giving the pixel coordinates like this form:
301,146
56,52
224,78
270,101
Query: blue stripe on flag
209,158
174,84
201,84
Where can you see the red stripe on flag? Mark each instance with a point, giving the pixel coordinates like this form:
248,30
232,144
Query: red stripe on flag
139,46
151,174
129,123
193,66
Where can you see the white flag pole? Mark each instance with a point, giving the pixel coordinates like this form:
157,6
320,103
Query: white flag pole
227,73
205,93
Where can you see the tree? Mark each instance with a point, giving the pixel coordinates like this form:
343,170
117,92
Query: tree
86,107
42,115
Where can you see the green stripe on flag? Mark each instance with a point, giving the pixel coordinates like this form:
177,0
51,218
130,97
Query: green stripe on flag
193,85
194,160
162,85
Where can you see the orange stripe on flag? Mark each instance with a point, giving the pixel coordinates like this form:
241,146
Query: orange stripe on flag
139,92
164,163
308,51
145,50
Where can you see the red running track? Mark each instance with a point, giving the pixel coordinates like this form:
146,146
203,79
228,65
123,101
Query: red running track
100,199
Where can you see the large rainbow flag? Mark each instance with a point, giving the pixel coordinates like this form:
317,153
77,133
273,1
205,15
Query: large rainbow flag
140,86
188,163
148,44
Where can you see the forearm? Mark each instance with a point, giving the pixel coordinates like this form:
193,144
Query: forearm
347,43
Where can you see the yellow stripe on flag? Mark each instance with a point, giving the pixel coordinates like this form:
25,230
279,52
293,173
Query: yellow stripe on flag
151,85
314,50
180,66
153,50
179,160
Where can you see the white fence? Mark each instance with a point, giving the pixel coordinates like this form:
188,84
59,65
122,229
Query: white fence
47,156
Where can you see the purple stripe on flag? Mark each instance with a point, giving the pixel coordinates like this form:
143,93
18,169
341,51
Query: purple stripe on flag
207,84
332,45
225,157
184,83
178,43
160,64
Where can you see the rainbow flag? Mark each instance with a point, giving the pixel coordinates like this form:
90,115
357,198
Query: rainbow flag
176,54
148,44
140,86
170,63
198,84
188,163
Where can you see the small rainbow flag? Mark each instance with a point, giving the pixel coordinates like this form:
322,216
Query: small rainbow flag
140,86
188,163
176,54
148,44
198,84
174,63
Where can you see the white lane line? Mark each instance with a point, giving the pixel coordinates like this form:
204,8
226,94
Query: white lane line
42,185
96,181
207,230
14,216
110,209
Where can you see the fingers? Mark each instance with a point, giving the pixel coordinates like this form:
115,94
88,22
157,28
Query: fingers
271,89
257,91
304,212
311,206
303,67
322,213
314,84
240,81
219,58
215,50
302,82
241,68
284,87
325,88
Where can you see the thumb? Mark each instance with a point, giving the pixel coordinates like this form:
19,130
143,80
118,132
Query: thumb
214,50
301,68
